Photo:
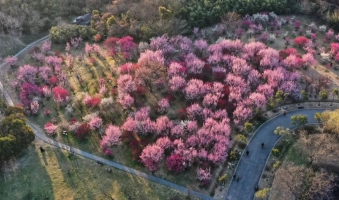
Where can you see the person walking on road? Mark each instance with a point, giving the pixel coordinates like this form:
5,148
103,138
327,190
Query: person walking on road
262,145
247,152
238,178
284,113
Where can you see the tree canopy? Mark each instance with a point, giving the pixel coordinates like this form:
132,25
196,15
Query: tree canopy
15,135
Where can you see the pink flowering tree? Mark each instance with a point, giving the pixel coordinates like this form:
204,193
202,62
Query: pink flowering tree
163,105
75,42
151,156
194,64
194,89
308,60
204,174
46,47
45,73
50,128
88,49
46,91
95,123
163,125
126,100
11,60
194,111
176,69
112,137
164,142
177,83
28,91
178,131
27,73
210,100
126,83
270,58
129,125
34,107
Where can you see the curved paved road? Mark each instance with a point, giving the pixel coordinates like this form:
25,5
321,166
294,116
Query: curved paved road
251,167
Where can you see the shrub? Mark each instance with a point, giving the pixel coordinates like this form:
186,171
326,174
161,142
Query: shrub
233,155
275,152
63,33
97,37
222,178
262,193
276,164
242,141
83,131
300,41
50,128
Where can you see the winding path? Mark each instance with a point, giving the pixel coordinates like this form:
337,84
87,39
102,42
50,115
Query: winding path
40,134
251,167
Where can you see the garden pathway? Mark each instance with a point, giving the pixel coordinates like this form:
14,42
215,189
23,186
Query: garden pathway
251,167
40,134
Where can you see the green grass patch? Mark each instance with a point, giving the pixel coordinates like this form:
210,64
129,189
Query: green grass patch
54,175
296,155
27,39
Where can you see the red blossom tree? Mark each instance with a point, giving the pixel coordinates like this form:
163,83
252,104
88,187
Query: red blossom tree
175,163
61,95
83,131
300,41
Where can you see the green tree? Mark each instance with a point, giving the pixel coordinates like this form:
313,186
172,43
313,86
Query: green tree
318,116
15,135
330,120
278,97
335,92
323,94
110,21
304,95
164,13
299,120
280,130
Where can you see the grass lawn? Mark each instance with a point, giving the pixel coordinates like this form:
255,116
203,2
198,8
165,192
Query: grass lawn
57,175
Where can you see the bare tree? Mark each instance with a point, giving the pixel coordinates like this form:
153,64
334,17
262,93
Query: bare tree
322,186
312,144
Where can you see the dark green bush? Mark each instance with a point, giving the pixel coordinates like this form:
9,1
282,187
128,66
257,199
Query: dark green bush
63,33
200,13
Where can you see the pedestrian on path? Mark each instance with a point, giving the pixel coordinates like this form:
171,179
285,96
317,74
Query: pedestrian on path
42,149
262,145
234,176
247,152
284,113
256,188
238,178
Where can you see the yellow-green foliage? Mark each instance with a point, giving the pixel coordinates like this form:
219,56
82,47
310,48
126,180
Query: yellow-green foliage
241,138
111,21
222,178
275,152
262,193
233,155
164,12
276,164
